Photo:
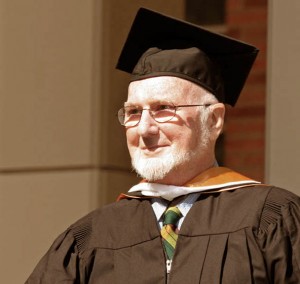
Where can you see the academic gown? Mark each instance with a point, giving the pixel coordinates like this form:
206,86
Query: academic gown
247,235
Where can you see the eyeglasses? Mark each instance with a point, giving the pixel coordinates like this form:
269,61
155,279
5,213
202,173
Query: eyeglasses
131,115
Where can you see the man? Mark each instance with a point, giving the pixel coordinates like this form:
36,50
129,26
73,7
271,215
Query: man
188,220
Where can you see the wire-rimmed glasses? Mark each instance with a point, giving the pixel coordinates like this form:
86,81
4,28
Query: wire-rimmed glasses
130,116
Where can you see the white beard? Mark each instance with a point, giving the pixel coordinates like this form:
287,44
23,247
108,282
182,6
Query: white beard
157,168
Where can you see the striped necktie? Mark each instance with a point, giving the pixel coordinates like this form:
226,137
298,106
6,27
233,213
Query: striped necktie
168,231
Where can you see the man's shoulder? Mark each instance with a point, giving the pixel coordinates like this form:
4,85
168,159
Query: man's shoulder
243,207
282,194
101,227
270,193
261,193
111,210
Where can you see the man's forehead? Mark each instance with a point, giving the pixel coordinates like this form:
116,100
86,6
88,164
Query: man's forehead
165,80
163,89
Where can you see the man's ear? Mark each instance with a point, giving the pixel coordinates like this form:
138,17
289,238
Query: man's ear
217,118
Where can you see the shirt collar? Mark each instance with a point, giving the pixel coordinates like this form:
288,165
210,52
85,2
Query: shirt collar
213,179
160,205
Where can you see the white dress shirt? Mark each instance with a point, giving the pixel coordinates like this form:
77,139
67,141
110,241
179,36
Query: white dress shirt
160,205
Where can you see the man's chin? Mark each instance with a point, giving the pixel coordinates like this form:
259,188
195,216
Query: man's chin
155,167
150,174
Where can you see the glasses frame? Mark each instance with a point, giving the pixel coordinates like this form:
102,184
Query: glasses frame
176,107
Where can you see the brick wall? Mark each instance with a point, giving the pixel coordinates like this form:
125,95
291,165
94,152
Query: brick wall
244,133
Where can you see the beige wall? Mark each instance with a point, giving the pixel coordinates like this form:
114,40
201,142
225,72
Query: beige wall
62,152
48,84
283,115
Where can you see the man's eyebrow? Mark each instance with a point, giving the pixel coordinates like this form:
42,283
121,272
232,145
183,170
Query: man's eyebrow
126,104
158,102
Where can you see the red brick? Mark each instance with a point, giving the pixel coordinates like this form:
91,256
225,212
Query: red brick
233,32
246,17
253,171
239,125
244,138
252,97
259,64
255,31
256,77
254,159
246,112
257,160
256,3
234,5
245,145
256,172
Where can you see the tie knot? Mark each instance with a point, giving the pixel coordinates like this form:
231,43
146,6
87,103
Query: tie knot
171,216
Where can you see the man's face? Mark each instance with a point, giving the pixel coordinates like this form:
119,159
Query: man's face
170,151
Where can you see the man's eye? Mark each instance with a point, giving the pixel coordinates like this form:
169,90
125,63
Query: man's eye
164,107
132,111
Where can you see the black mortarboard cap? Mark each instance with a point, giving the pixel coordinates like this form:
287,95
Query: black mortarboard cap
158,45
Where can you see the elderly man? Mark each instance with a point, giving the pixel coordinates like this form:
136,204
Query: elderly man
188,220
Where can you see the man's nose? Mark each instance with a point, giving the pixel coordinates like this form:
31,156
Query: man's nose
147,125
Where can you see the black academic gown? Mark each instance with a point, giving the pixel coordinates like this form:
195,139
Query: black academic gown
248,235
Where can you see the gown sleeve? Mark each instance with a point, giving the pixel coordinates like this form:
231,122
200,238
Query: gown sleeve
60,264
280,236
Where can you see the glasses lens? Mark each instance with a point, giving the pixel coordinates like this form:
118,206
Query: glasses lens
121,116
129,116
164,113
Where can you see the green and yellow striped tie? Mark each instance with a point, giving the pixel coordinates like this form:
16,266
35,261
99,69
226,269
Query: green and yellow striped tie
168,231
